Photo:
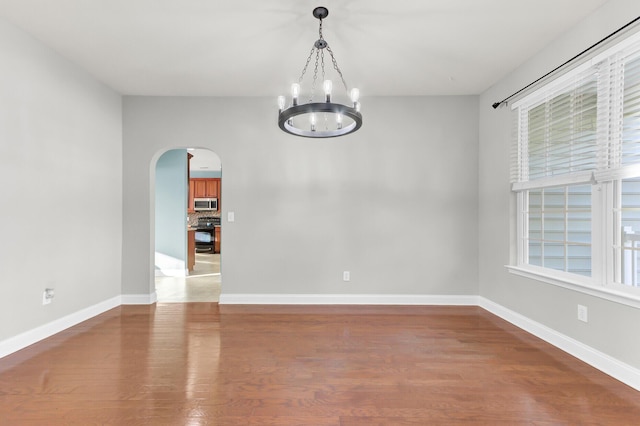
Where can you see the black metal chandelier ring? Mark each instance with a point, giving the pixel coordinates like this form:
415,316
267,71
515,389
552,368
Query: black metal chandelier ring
286,116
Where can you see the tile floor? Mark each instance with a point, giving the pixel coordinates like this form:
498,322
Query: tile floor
202,285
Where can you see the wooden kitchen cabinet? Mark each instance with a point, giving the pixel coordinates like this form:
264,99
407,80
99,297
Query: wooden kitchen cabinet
190,196
212,188
218,183
191,249
206,187
216,241
190,202
199,188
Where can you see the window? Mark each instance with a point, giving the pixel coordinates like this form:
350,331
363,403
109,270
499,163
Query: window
576,174
627,247
559,235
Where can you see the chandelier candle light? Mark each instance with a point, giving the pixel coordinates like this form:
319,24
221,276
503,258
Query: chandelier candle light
325,119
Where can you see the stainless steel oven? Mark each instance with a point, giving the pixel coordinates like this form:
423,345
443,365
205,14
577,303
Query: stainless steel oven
205,240
206,234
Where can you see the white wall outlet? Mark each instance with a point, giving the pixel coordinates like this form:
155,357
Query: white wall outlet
231,217
583,313
47,296
346,276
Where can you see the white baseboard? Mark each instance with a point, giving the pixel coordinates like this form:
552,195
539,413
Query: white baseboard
603,362
139,299
21,341
346,299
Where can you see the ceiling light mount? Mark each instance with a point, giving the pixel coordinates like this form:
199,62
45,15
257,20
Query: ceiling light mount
320,119
320,12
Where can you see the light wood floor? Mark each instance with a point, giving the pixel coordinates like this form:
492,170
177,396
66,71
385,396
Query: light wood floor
201,364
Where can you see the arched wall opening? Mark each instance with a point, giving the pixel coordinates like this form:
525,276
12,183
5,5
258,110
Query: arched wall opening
180,272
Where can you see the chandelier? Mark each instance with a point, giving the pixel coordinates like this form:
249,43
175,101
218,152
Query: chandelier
321,118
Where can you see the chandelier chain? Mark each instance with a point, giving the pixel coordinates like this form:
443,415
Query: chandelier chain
337,68
320,56
322,64
306,64
315,76
333,59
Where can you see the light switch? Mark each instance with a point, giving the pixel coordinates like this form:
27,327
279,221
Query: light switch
231,217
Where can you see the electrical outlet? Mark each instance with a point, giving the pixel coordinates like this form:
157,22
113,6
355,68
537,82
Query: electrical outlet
583,313
346,276
47,296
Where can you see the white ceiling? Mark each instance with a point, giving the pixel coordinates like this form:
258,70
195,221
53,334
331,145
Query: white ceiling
204,160
258,47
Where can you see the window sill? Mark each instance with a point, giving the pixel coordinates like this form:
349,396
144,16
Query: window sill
613,295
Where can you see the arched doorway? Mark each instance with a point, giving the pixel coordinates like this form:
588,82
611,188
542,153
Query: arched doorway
187,265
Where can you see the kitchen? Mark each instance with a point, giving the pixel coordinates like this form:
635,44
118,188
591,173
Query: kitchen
197,277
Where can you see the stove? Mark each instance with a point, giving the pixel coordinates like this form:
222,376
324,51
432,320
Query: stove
205,234
208,222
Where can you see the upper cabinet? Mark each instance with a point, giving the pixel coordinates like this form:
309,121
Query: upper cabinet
206,187
203,188
199,188
213,187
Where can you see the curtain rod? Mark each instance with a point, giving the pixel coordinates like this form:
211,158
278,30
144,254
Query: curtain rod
497,104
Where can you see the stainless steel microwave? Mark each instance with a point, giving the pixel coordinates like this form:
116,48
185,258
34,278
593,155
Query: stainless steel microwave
205,204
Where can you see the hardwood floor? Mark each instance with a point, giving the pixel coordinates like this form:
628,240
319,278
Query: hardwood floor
204,364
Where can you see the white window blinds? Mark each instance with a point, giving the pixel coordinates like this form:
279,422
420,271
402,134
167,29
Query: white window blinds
582,127
620,142
631,111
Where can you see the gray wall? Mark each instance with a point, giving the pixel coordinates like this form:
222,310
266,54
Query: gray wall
394,203
171,193
60,185
612,326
